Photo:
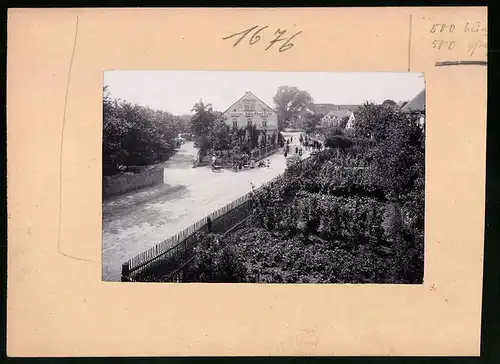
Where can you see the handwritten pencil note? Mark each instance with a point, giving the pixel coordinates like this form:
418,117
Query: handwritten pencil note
447,37
257,32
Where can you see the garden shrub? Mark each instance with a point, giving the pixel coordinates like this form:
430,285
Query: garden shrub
216,261
350,217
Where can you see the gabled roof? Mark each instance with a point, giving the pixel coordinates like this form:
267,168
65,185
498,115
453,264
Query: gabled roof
248,93
321,109
337,114
416,104
400,104
351,108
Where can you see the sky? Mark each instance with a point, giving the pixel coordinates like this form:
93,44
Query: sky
178,91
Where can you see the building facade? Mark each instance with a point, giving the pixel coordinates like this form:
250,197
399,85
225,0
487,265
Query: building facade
299,119
338,118
249,110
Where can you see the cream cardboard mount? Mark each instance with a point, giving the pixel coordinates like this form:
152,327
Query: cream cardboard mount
57,303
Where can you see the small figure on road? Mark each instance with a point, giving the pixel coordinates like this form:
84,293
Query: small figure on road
268,163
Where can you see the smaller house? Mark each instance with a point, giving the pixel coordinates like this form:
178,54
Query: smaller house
338,118
299,118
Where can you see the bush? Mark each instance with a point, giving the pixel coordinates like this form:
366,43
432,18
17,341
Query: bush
339,142
216,261
293,160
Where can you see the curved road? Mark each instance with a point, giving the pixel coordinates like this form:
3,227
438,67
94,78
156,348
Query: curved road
137,221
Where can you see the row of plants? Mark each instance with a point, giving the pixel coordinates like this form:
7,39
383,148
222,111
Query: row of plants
258,255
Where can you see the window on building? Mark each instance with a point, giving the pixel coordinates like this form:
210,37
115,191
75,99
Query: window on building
249,122
235,123
264,123
246,107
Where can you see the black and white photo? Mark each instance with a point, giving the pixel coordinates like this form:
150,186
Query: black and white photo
263,177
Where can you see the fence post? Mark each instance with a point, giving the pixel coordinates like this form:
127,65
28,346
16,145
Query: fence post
125,271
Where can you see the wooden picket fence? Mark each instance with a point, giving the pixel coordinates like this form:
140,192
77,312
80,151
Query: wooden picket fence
167,257
227,161
259,154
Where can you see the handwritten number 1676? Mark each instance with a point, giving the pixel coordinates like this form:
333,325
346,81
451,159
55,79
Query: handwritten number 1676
256,37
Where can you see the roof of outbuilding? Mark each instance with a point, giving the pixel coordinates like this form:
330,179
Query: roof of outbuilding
416,104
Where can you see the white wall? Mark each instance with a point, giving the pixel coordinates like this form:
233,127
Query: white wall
350,122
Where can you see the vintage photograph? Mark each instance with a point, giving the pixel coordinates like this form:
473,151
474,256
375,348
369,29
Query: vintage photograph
263,177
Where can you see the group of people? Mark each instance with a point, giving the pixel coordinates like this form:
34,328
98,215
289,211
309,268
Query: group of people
288,148
240,163
310,144
305,143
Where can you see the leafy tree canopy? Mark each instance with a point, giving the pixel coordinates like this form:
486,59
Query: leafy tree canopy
289,100
389,102
135,135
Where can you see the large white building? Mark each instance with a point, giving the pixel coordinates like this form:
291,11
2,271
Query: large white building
250,110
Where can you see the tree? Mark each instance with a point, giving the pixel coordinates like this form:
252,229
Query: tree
397,148
339,142
182,123
274,138
216,261
290,100
311,123
134,135
113,132
252,136
389,102
219,135
203,118
373,121
332,131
